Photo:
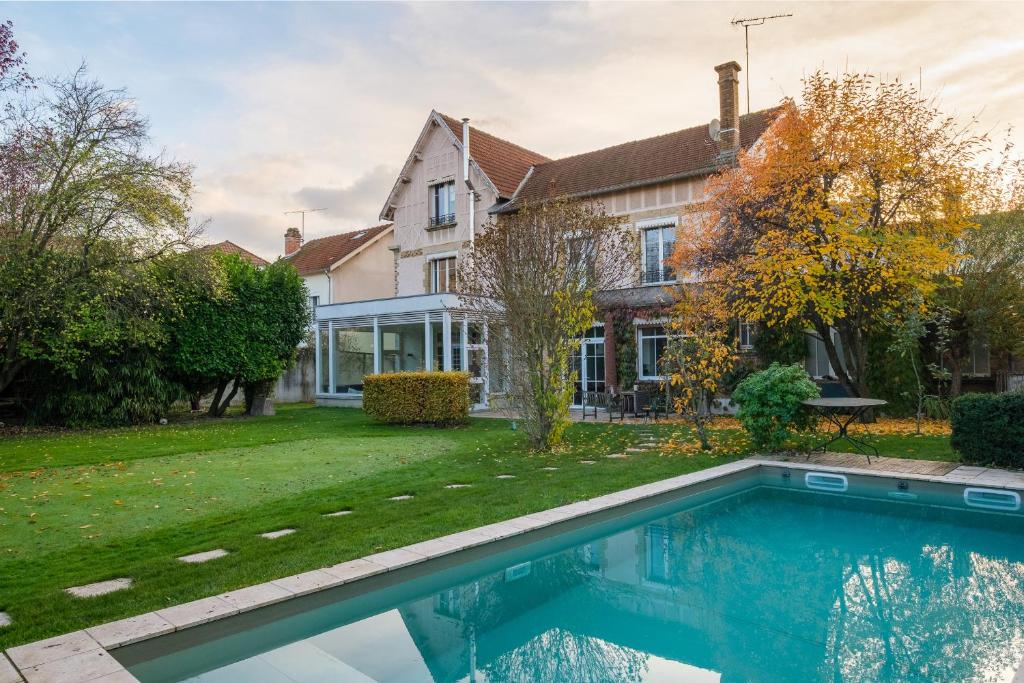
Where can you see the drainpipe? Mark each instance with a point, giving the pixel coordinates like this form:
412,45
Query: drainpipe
330,294
471,196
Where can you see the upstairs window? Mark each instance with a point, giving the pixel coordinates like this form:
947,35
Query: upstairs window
314,301
442,275
658,244
442,204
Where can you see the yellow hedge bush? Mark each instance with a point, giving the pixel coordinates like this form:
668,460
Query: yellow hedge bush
417,397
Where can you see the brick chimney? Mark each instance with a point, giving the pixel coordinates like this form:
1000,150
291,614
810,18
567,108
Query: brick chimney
729,108
292,241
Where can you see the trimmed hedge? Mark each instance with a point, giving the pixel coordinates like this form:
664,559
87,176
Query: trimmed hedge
417,397
989,428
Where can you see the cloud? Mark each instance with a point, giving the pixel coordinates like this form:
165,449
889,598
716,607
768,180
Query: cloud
350,206
285,106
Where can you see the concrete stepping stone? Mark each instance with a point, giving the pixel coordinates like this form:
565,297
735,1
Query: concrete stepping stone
587,462
93,590
505,476
206,556
634,450
458,486
5,619
339,513
550,469
277,534
404,497
617,456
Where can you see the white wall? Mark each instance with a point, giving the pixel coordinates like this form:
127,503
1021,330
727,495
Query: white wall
318,285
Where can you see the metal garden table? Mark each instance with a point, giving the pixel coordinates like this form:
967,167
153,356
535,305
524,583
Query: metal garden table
842,412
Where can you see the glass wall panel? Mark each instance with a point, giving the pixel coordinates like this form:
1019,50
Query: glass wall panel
323,362
457,351
401,348
353,358
437,346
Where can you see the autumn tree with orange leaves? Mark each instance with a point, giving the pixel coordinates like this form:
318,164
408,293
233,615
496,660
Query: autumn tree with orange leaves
850,203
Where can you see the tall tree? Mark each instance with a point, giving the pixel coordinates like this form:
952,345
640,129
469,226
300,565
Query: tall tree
533,275
850,202
81,200
981,299
243,335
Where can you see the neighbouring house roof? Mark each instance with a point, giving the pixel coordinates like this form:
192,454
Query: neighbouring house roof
684,153
228,247
503,162
322,254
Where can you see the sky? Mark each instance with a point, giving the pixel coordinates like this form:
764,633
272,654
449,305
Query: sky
283,106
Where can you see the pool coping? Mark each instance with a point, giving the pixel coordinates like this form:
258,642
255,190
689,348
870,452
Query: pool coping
84,656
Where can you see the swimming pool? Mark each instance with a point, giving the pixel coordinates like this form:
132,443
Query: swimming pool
771,574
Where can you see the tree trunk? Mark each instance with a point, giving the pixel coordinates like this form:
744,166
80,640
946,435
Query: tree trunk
217,394
218,407
956,377
194,398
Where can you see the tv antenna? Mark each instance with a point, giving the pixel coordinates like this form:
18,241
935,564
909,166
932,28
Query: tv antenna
303,213
746,24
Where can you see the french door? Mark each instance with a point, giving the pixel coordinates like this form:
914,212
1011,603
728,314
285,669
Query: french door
588,364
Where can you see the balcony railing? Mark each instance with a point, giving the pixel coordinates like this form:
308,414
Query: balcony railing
442,220
651,276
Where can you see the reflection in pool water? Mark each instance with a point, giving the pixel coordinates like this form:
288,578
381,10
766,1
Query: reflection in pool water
768,585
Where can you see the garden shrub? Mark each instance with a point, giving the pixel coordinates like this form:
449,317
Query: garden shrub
417,397
770,404
989,428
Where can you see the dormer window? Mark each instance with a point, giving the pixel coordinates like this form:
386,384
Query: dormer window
442,204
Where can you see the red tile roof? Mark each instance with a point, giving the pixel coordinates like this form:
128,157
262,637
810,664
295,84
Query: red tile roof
228,247
685,152
504,163
318,255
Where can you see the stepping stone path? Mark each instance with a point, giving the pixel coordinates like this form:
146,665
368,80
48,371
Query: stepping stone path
587,462
549,469
93,590
458,486
339,513
505,476
197,558
400,498
277,534
5,619
617,456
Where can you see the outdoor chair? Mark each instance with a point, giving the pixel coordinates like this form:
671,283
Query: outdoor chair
592,400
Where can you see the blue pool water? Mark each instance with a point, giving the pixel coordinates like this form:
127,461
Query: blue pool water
764,584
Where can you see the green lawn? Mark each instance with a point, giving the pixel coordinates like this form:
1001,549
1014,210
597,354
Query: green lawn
82,507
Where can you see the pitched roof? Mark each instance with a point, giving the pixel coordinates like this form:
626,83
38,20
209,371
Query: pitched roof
504,163
674,155
318,255
228,247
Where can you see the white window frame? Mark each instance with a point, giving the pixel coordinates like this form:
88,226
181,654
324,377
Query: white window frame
749,327
640,352
434,190
434,261
651,224
835,339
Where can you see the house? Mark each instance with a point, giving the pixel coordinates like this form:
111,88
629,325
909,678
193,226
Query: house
350,266
228,247
457,177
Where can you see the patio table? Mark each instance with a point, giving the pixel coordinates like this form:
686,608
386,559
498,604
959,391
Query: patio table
842,412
